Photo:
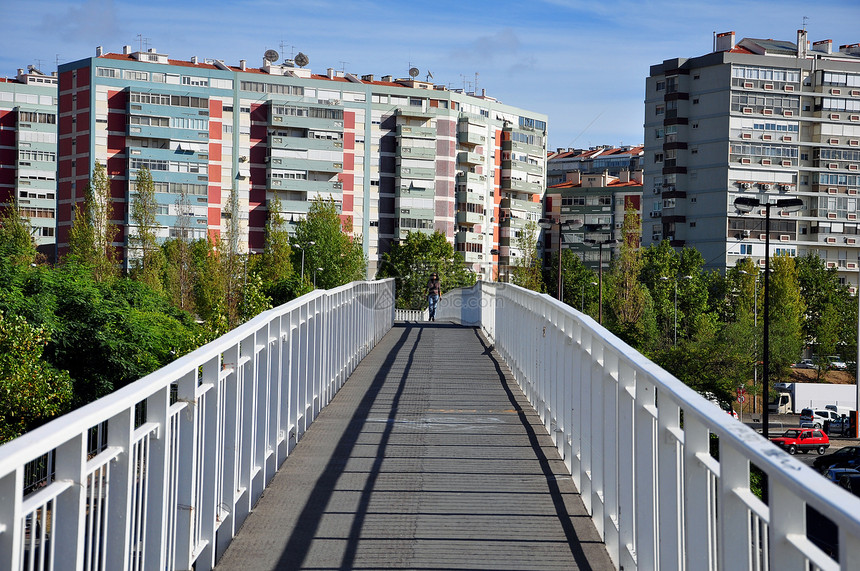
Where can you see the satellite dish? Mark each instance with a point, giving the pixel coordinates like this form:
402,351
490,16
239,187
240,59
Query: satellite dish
413,72
271,56
301,59
429,75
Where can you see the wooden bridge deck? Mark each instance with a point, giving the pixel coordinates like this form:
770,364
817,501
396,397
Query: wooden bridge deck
428,458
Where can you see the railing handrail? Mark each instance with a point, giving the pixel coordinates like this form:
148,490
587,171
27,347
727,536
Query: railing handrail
218,423
567,364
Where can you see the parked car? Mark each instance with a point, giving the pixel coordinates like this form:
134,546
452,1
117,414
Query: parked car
805,364
796,440
834,474
836,362
816,417
838,458
851,482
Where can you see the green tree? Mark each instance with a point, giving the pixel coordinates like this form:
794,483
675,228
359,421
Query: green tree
527,269
275,263
578,282
16,237
413,259
148,259
31,390
786,314
92,234
630,307
340,256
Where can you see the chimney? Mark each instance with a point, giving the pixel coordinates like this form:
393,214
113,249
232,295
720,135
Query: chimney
330,73
724,42
99,51
126,50
483,92
242,64
386,78
624,175
194,60
368,77
850,49
574,177
802,44
824,46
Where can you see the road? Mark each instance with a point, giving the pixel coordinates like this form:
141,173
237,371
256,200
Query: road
779,423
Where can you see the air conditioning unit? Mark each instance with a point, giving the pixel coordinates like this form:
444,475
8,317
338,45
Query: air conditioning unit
851,265
855,117
745,161
746,233
765,185
746,185
786,137
830,240
832,190
767,112
850,241
786,163
836,91
852,217
833,141
788,113
765,162
767,137
747,110
746,135
834,116
762,236
831,265
852,167
748,85
852,191
784,237
789,88
832,166
831,215
768,86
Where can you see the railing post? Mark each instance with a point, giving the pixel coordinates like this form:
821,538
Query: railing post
186,484
670,485
68,537
158,510
646,473
625,463
733,515
122,474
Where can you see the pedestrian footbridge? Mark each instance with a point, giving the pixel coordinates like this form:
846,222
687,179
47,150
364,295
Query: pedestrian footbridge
512,433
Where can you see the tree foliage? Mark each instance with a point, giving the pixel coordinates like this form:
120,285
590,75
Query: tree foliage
411,262
147,257
336,257
91,237
527,269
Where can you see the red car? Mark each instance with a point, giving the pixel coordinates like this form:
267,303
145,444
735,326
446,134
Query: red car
802,440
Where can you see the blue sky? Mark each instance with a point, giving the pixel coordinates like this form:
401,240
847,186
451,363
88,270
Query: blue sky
582,63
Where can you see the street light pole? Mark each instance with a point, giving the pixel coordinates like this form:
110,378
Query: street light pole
546,224
746,204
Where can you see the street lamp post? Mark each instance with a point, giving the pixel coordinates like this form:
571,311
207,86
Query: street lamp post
600,244
746,204
546,224
755,338
675,334
315,276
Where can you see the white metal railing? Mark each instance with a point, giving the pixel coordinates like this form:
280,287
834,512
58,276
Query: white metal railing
160,474
638,444
410,315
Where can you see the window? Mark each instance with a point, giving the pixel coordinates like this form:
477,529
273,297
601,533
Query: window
108,72
136,75
36,117
658,157
661,85
194,80
746,249
695,101
660,110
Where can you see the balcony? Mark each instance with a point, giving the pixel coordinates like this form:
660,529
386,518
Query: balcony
467,197
409,152
534,150
301,185
468,134
317,123
150,132
470,177
306,165
470,218
521,205
469,238
416,173
515,185
469,158
521,167
410,132
411,191
168,155
473,257
414,111
304,143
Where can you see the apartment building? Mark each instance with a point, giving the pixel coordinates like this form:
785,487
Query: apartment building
595,160
598,204
763,119
222,141
28,151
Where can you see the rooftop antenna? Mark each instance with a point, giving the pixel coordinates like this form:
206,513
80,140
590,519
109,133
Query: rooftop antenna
343,66
805,20
476,83
282,45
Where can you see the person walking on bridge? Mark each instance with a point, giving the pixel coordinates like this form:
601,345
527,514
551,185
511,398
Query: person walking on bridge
434,290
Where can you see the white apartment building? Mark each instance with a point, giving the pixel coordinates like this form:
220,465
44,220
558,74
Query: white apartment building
765,119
